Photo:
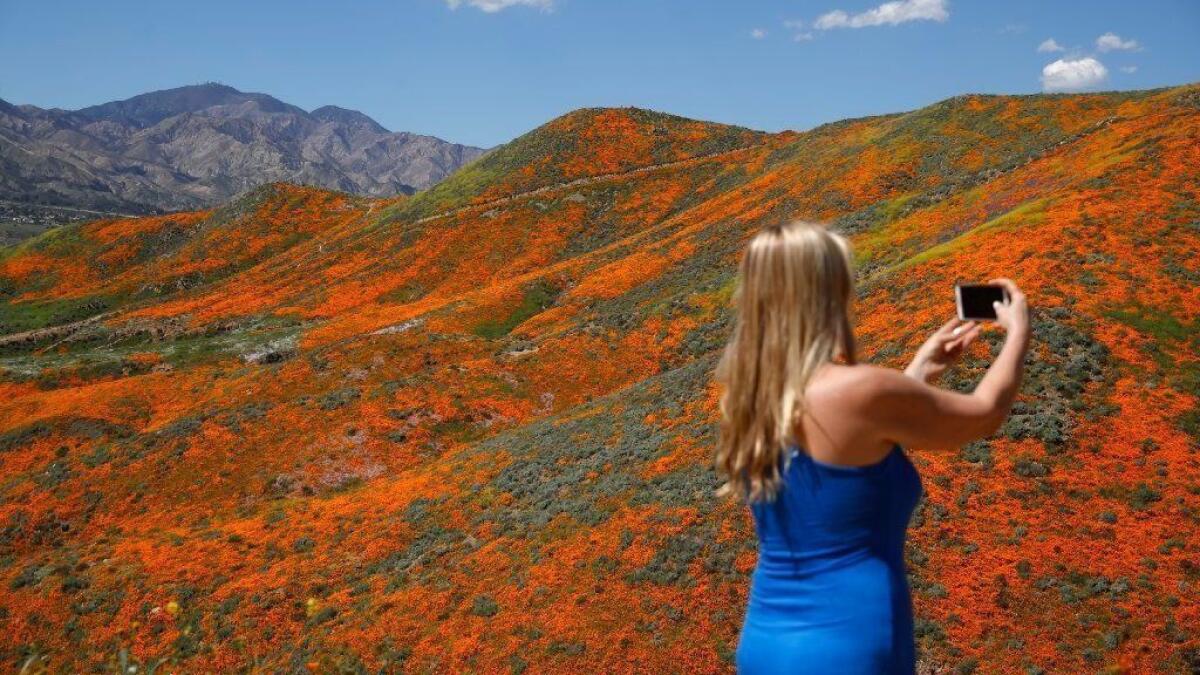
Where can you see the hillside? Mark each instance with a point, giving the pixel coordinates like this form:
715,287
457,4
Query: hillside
470,430
198,146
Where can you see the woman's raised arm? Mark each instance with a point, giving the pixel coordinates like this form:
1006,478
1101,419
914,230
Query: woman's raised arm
913,413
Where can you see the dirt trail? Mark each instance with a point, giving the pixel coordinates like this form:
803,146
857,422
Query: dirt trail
588,180
53,207
36,335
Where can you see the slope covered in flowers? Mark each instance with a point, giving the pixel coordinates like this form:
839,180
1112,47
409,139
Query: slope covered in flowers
469,430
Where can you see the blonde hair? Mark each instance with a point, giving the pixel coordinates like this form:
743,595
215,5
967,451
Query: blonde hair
792,302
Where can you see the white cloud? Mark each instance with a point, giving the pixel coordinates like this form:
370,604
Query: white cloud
1129,69
835,19
890,13
797,26
493,6
1073,74
758,33
1050,45
1111,41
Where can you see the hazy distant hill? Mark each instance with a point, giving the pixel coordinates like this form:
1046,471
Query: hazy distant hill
197,146
470,430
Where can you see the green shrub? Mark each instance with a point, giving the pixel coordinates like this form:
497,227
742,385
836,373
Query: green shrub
484,605
1028,468
1143,495
537,297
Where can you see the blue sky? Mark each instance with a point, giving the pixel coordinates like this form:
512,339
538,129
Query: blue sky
484,71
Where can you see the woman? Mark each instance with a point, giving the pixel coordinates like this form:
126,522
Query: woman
813,441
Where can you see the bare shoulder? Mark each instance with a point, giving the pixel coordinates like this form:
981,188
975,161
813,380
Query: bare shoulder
860,383
850,421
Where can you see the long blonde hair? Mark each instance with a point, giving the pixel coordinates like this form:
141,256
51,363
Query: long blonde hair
792,302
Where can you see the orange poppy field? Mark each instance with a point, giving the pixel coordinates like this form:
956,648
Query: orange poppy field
471,430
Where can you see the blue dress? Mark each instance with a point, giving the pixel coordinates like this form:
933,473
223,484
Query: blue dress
829,592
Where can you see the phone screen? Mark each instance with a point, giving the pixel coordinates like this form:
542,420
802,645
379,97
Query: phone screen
975,300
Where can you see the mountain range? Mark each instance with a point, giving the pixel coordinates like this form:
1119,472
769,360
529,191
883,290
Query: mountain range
471,429
197,146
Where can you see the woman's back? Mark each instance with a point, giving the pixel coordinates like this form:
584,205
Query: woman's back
829,592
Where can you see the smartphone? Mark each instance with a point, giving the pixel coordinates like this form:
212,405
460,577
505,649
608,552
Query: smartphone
975,300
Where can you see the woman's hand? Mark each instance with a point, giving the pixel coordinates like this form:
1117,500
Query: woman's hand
943,349
1013,315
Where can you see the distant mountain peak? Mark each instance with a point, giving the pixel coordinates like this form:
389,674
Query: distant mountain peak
351,118
212,87
146,110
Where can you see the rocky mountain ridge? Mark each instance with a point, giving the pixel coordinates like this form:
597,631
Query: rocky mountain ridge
197,146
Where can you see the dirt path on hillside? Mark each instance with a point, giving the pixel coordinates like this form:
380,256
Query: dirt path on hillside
53,207
588,180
